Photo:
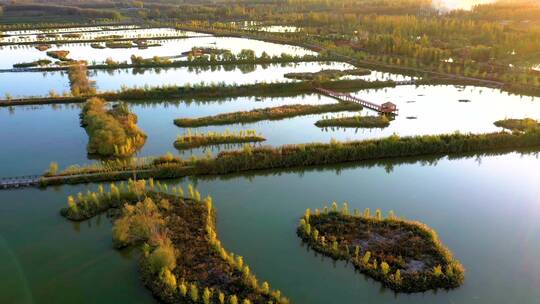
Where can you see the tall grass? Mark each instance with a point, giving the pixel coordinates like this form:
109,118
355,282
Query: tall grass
168,225
383,248
315,154
192,139
274,113
358,121
112,132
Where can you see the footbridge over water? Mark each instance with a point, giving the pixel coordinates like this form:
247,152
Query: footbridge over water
385,108
19,181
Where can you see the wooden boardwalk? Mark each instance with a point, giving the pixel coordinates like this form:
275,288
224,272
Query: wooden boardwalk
367,104
19,181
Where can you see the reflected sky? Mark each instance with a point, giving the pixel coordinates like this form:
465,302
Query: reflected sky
459,4
13,54
463,199
94,32
41,83
436,109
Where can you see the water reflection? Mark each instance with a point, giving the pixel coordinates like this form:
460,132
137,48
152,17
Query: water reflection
389,165
436,108
13,54
42,83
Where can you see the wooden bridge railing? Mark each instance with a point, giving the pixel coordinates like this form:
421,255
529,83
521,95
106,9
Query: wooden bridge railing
350,98
19,181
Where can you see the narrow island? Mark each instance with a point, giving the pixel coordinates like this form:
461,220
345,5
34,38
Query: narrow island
405,256
327,74
358,121
60,55
112,132
40,62
518,124
43,47
190,140
299,155
274,113
183,260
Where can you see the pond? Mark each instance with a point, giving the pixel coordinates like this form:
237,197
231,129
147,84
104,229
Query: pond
422,110
13,54
112,80
257,218
69,30
460,4
95,32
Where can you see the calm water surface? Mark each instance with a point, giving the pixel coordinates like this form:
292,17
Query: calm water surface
69,30
13,54
485,209
41,83
96,32
436,109
257,218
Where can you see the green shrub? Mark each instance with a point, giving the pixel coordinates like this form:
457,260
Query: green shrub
163,257
112,132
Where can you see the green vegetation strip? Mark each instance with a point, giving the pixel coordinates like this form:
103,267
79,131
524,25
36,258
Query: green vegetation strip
60,55
183,260
380,121
406,256
303,155
208,92
202,61
518,124
274,113
192,140
112,132
327,74
92,40
40,62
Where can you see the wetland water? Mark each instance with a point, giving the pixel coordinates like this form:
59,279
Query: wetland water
113,80
46,259
60,138
13,54
257,218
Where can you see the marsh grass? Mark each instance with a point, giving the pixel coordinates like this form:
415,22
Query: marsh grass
406,256
327,74
357,121
182,261
192,139
112,132
303,155
518,124
274,113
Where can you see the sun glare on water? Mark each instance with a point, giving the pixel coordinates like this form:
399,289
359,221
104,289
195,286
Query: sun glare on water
459,4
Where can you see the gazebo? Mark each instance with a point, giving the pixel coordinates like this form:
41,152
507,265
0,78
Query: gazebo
388,107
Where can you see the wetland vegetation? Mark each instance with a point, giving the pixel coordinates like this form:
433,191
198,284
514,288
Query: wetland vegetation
418,43
111,132
406,256
183,260
327,74
518,124
60,55
193,139
202,91
79,82
37,63
357,121
274,113
301,155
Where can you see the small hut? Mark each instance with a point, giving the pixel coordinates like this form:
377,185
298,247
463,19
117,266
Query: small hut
388,107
